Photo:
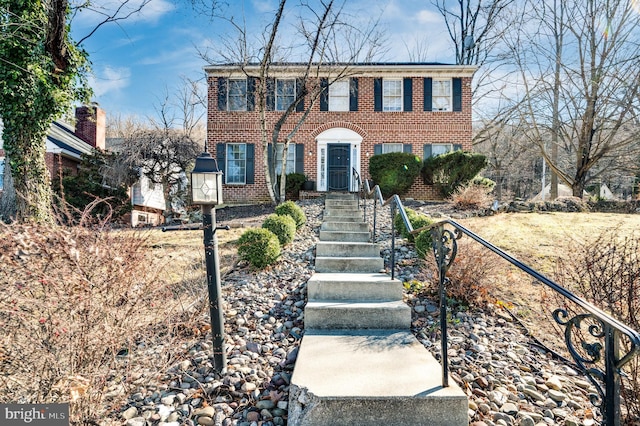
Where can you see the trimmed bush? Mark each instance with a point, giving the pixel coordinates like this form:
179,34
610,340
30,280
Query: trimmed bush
417,220
295,211
283,226
451,170
394,172
423,243
259,247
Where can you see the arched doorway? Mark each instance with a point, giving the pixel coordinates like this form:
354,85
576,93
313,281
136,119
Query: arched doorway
338,153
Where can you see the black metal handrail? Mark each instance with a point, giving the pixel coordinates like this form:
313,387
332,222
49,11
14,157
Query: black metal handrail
599,325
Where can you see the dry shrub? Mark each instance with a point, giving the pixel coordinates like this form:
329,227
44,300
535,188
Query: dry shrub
606,272
471,197
470,275
74,302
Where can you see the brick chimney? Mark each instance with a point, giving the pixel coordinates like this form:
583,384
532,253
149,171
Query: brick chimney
91,125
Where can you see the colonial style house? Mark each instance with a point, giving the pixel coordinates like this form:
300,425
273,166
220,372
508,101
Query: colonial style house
422,108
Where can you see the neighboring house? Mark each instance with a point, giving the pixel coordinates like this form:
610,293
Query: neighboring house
422,108
65,146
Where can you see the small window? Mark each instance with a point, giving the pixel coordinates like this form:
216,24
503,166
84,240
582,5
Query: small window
1,173
291,158
391,95
440,148
285,94
237,93
392,147
339,96
236,167
441,100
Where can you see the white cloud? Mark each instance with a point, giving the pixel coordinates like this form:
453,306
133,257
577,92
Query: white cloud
428,17
110,80
264,6
150,12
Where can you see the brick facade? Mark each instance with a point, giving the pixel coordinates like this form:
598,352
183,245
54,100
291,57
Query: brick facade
416,127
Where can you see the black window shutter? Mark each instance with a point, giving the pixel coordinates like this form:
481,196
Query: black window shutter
250,164
324,94
222,94
299,91
251,94
407,84
457,147
426,151
377,94
377,149
353,94
407,148
299,157
428,94
457,94
271,95
220,156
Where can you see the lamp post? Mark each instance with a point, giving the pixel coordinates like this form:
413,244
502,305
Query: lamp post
206,190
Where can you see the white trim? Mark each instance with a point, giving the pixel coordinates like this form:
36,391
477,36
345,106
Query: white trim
337,135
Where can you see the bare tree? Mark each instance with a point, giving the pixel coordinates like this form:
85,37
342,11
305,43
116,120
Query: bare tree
580,84
326,41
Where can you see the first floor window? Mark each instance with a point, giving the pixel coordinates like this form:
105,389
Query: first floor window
440,148
441,100
391,147
285,94
236,167
391,95
291,158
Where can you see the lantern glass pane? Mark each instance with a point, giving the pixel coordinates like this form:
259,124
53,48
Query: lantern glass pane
205,188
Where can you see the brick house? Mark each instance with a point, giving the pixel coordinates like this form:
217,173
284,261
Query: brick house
65,145
422,108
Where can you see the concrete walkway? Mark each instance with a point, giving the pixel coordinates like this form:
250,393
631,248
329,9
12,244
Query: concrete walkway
359,363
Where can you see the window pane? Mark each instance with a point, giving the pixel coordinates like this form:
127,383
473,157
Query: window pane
237,95
285,94
339,96
291,158
236,163
441,95
440,148
392,95
391,147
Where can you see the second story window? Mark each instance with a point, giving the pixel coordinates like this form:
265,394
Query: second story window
441,95
339,96
237,92
391,95
285,93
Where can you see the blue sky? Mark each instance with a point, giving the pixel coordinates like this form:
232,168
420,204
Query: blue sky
135,62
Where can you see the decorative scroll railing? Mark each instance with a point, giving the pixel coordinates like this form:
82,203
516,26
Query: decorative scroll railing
599,344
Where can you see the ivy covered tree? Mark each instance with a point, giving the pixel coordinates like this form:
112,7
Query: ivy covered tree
41,72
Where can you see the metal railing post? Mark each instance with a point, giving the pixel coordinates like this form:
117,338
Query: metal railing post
437,235
393,241
611,414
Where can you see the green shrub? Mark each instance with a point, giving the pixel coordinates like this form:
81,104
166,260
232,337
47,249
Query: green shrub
484,181
417,220
295,211
394,172
451,170
283,226
423,243
259,247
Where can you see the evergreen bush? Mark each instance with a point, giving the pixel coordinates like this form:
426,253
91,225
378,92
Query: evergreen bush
451,170
295,211
423,243
417,220
283,226
394,172
259,247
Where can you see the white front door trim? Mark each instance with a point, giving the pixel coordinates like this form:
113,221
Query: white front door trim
337,135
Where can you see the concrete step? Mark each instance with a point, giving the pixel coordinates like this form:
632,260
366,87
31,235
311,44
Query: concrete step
358,237
357,217
340,203
371,377
349,264
348,286
340,196
345,226
346,249
354,314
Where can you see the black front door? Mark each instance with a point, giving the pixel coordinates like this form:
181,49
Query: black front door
338,167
